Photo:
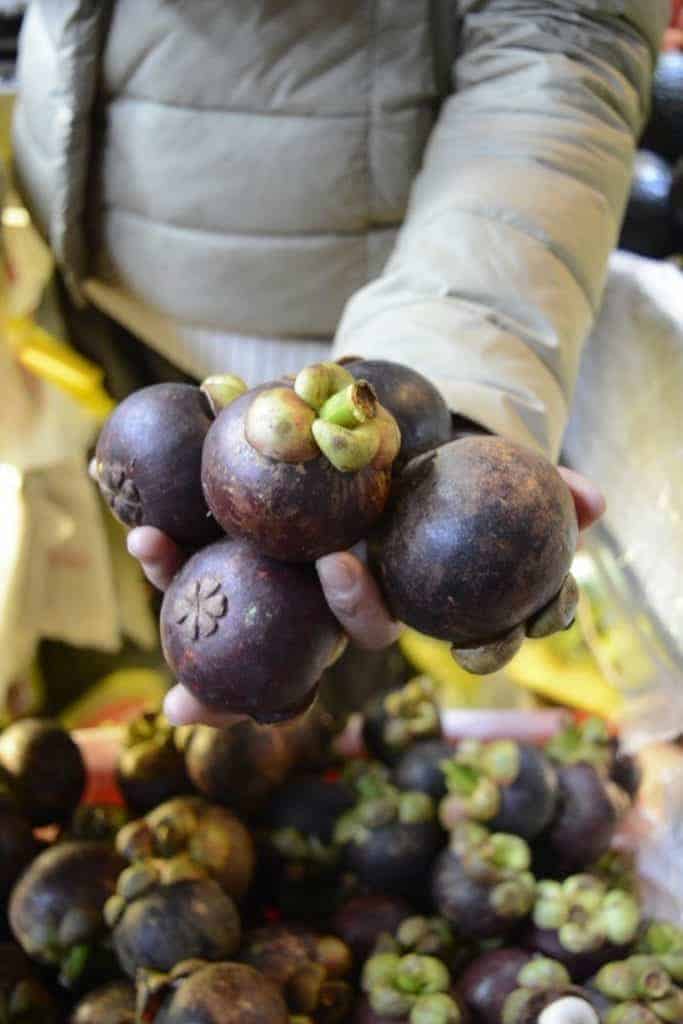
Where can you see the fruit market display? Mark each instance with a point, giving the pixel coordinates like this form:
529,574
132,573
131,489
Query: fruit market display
361,889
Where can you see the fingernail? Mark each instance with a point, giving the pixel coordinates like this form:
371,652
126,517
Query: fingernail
337,576
176,707
136,544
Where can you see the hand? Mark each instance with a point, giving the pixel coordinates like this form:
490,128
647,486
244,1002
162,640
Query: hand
351,591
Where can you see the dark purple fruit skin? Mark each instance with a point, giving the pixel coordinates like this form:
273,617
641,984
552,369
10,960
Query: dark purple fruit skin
489,980
581,966
264,654
528,803
395,857
239,765
627,773
70,875
585,822
291,511
499,523
30,750
309,804
422,415
225,993
148,460
17,848
419,768
461,900
15,968
111,1004
186,920
360,922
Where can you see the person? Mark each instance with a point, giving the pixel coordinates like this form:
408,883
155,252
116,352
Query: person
256,184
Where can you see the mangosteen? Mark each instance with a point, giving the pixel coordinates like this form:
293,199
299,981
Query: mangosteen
209,836
639,991
164,912
664,940
17,848
589,809
216,993
56,907
511,787
301,468
664,132
310,970
247,634
583,923
393,721
361,920
309,805
412,989
238,765
23,997
647,228
420,768
419,409
150,766
428,936
46,769
389,837
111,1004
489,979
499,522
148,462
482,882
97,822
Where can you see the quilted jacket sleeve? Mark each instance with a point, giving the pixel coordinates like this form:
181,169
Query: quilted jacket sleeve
499,268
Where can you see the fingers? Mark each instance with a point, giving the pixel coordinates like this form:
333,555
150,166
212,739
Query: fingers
159,557
354,597
182,708
588,500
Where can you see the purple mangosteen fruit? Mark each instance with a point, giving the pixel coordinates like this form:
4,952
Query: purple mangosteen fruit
148,462
389,838
361,920
213,993
394,721
583,923
301,468
489,979
482,882
111,1004
209,836
30,750
428,936
98,823
310,970
664,940
509,786
420,767
419,409
248,634
17,848
56,907
150,766
165,911
638,991
499,522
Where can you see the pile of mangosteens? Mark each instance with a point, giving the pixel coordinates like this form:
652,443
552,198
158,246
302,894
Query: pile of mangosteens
448,882
470,539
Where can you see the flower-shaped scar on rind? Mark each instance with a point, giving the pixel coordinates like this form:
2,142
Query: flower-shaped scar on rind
120,493
199,608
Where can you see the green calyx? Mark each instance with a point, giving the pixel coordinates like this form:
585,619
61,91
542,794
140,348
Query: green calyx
558,614
484,659
404,986
639,977
586,741
474,776
345,421
144,875
501,862
384,805
631,1013
221,390
585,913
412,713
544,973
665,941
295,846
430,936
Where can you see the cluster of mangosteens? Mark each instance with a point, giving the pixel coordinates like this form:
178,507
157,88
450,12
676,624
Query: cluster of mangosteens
471,540
420,881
